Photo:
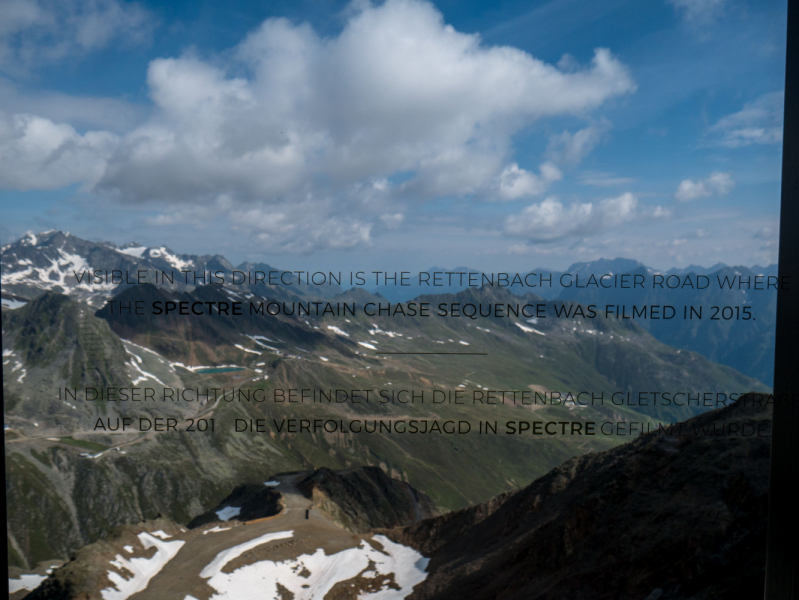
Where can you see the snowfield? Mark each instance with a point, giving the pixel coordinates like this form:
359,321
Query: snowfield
312,576
12,304
141,569
227,513
25,582
220,560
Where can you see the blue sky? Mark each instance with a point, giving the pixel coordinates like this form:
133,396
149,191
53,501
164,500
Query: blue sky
403,134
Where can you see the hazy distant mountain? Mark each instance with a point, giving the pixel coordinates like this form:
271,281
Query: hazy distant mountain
401,292
723,334
745,345
46,261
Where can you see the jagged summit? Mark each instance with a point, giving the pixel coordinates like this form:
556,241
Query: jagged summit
49,261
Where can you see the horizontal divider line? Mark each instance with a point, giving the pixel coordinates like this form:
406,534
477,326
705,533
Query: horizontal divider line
462,353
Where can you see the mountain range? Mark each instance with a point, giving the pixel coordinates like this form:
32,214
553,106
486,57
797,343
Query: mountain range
75,471
44,262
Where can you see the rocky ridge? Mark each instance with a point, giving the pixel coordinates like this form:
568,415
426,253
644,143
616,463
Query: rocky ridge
670,516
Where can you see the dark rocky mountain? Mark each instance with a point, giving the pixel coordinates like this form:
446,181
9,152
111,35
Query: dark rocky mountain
177,336
53,331
722,336
366,498
359,499
673,515
245,503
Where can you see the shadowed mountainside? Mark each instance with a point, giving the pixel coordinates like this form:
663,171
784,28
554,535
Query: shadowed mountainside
366,498
668,516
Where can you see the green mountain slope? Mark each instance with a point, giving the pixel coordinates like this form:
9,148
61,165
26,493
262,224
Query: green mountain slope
71,482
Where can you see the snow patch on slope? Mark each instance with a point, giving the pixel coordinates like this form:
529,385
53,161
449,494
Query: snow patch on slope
25,582
228,513
141,569
529,329
312,576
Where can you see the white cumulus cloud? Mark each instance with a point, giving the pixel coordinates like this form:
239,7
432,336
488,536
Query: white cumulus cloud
36,153
717,184
398,91
307,131
516,183
550,220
